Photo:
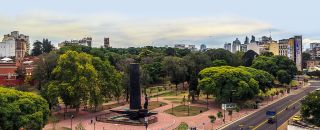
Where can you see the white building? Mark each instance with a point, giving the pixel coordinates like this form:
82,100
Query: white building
8,47
192,47
227,46
180,46
254,46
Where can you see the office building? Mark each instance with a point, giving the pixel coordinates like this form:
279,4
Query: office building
283,47
106,42
14,45
236,45
192,47
203,47
87,41
180,46
227,46
274,48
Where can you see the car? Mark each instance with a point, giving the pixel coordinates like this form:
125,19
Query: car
272,120
297,118
318,89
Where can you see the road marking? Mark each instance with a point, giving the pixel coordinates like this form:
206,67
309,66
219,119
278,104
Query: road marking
264,122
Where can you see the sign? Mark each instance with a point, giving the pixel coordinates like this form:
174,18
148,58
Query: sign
228,106
270,113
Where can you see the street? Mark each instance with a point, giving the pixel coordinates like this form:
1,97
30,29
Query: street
258,120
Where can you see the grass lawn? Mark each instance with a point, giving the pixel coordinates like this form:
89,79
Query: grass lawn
155,104
182,126
182,110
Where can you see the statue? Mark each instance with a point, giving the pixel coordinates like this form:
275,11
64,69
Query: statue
146,103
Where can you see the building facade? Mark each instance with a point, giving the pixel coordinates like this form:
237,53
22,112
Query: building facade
236,45
274,48
203,47
227,46
180,46
283,47
14,45
106,42
87,41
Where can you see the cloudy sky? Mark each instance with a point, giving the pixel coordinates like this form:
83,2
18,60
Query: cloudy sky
161,22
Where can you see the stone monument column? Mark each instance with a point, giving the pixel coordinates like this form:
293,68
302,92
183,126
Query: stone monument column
135,92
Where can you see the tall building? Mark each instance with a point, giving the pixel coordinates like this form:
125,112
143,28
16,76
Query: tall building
106,43
227,46
298,52
314,50
314,45
180,46
246,41
254,46
236,45
253,39
274,48
283,47
14,45
86,41
203,47
192,47
243,47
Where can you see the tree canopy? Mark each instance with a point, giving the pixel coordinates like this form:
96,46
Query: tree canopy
226,79
22,110
310,109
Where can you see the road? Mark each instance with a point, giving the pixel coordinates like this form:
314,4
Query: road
258,120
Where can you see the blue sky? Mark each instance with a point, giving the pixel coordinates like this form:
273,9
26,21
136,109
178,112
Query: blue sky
161,22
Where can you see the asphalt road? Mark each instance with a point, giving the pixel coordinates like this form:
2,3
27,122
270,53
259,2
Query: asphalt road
258,120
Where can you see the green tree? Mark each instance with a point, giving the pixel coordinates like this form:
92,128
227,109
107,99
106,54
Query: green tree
37,48
22,110
217,63
175,69
42,73
283,77
212,119
305,57
248,57
310,110
47,46
268,54
228,79
78,79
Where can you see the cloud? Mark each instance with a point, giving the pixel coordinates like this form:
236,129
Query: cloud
127,31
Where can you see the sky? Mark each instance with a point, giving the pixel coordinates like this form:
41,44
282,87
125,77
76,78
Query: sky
135,23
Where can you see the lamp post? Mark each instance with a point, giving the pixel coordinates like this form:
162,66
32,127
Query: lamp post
71,120
146,122
188,108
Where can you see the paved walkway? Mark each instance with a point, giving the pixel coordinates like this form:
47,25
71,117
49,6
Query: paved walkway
165,121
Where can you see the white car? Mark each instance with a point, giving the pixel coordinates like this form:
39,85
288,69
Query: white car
318,89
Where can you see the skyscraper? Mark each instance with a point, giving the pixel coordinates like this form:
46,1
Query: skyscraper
227,46
246,41
236,45
203,47
106,43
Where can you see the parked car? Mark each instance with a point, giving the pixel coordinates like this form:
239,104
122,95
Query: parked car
297,118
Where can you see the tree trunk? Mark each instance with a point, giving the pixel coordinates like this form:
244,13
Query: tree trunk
176,89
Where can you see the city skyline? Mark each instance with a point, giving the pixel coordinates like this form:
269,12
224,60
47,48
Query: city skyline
141,23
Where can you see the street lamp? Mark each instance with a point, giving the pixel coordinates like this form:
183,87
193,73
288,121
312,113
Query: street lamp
146,122
188,108
71,120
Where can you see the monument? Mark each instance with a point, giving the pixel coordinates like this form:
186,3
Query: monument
135,115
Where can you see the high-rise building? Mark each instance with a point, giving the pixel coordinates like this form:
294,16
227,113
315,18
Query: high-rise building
14,45
314,50
180,46
192,47
253,39
298,52
246,41
283,47
254,46
243,47
106,43
203,47
236,45
87,41
227,46
274,48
